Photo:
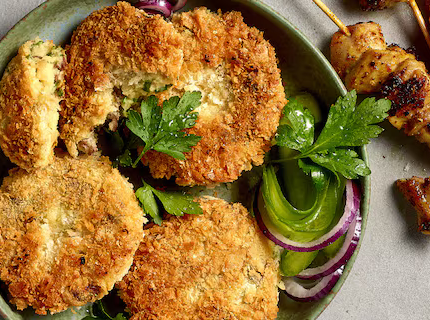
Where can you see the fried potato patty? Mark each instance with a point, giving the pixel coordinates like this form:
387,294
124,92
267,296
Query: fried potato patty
230,63
212,266
30,92
68,232
114,45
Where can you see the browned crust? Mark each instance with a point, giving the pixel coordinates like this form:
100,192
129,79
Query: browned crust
417,191
98,230
371,5
239,138
346,51
200,267
117,36
234,140
20,140
368,65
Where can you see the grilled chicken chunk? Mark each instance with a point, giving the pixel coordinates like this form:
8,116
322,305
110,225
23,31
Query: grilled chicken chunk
370,5
368,65
417,192
345,51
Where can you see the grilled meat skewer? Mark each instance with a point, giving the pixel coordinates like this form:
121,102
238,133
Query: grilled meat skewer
368,65
371,5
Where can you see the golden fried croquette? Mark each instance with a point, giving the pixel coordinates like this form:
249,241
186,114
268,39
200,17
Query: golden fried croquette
235,68
230,63
30,92
212,266
68,232
115,47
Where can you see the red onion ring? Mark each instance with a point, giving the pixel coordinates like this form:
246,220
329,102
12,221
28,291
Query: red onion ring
179,5
297,292
342,256
162,7
352,206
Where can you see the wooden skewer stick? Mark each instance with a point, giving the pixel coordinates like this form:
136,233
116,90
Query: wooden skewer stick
420,19
333,17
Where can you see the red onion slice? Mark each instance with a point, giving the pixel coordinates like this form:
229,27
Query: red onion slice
179,5
162,7
352,206
297,292
342,256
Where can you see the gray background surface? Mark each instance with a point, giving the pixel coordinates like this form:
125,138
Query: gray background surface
391,276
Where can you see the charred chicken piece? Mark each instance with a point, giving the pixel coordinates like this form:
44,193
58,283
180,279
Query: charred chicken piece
417,191
345,51
368,65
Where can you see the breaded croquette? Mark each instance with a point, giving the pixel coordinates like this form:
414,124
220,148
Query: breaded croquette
217,265
118,46
120,54
68,232
236,70
30,92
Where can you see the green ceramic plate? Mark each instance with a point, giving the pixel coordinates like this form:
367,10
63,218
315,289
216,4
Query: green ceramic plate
303,68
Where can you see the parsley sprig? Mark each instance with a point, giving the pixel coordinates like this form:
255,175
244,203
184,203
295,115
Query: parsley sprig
175,203
161,128
347,126
98,312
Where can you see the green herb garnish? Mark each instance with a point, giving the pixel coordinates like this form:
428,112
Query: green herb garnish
175,203
125,159
98,311
347,126
161,128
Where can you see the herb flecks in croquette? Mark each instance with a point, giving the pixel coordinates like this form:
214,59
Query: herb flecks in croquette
32,88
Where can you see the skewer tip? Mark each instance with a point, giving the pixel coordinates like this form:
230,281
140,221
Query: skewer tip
420,20
333,17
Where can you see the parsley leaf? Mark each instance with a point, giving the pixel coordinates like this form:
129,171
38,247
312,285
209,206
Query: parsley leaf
178,203
344,161
98,312
161,128
298,133
347,126
125,159
146,197
175,203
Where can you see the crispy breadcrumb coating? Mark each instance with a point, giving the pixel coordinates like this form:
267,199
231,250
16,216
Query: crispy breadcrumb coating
116,50
68,232
30,92
238,131
212,266
117,37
